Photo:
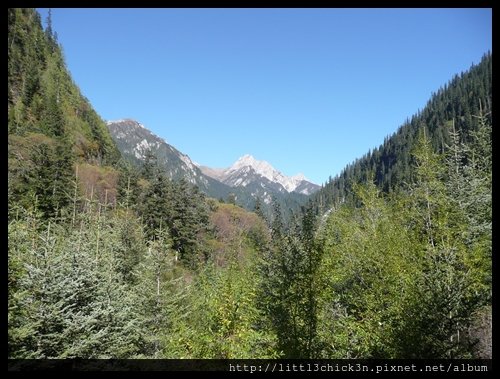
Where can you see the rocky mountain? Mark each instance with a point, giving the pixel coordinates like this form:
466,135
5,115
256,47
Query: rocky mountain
245,181
249,172
134,140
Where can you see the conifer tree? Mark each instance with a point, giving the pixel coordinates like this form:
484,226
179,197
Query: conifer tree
155,206
259,210
155,294
74,302
445,295
286,290
188,221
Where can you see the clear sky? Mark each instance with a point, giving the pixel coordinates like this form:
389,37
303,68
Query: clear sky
308,90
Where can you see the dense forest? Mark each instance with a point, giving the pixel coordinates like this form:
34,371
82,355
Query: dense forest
455,106
391,259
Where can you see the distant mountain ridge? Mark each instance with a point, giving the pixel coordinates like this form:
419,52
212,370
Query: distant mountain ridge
247,179
247,170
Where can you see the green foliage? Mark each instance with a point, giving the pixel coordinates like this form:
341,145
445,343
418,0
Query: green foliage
43,100
22,235
445,296
70,299
131,247
289,285
222,318
471,191
391,164
154,204
178,206
188,221
156,295
398,267
258,209
41,168
399,278
367,271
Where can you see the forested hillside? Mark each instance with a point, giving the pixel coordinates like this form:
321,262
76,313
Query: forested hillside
455,106
52,127
109,261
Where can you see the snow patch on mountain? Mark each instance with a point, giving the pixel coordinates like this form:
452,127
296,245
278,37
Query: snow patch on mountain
109,122
141,148
247,170
263,168
123,120
187,161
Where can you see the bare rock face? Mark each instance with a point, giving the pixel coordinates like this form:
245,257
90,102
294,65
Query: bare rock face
246,180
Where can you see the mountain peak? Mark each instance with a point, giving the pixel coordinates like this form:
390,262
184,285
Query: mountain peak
240,173
246,160
247,157
299,177
261,167
125,121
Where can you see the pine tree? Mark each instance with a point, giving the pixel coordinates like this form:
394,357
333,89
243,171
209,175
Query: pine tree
155,295
74,303
48,30
310,284
150,166
155,206
444,296
258,209
52,177
287,281
188,221
22,238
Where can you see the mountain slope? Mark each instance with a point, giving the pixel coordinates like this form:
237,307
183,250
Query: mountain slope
134,140
390,165
247,170
52,127
241,182
42,97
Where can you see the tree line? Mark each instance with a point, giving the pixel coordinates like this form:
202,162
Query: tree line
400,275
106,260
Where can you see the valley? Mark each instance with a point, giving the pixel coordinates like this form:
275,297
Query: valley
121,247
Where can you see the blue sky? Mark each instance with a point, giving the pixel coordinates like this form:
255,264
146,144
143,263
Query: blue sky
308,90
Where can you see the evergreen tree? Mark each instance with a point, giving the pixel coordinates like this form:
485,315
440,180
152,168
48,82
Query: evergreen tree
150,168
288,286
155,206
48,31
51,177
155,295
188,221
74,303
445,294
258,208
